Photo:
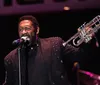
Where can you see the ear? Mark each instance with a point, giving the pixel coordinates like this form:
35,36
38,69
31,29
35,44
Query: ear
38,29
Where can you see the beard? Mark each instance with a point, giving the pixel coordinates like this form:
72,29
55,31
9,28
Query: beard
31,36
26,34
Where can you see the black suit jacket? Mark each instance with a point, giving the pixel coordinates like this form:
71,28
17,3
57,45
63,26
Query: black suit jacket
45,64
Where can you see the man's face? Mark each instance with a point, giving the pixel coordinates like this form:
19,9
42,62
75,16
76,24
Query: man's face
26,28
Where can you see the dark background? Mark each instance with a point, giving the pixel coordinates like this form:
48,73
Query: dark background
63,24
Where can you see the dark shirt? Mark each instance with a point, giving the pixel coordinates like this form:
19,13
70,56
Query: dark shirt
41,64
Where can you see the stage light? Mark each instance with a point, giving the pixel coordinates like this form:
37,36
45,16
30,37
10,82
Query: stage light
66,8
22,2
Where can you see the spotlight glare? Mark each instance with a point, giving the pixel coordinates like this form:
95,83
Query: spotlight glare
66,8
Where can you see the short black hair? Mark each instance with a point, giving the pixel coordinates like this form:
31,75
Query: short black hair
29,17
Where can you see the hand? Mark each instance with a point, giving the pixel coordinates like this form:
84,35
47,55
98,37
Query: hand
89,31
86,33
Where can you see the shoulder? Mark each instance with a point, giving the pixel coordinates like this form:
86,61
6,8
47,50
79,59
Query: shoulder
10,55
53,39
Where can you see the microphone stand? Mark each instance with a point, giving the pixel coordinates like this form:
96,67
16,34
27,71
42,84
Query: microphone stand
76,67
78,78
22,62
19,65
22,58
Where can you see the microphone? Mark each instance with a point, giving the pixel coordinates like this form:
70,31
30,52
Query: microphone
22,40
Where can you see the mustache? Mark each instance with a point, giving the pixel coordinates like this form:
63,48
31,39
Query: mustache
25,35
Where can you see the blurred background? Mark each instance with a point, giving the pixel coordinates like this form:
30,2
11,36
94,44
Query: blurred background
59,18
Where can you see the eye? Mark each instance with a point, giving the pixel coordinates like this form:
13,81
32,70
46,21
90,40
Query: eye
20,29
25,28
28,28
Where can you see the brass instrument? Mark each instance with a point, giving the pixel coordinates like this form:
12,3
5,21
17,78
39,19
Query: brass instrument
84,36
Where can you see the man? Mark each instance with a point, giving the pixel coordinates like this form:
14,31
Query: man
41,61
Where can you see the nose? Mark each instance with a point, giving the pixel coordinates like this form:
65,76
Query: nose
24,31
